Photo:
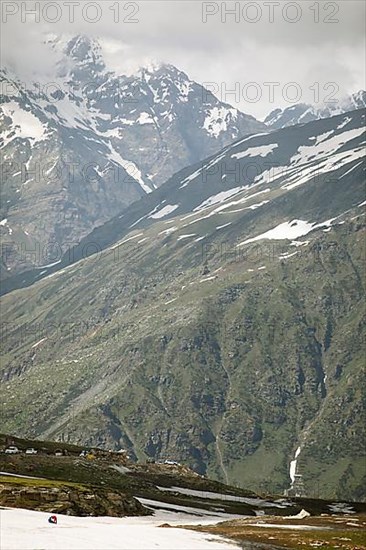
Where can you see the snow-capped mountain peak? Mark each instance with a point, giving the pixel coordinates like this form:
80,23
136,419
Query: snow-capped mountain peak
136,130
304,112
80,47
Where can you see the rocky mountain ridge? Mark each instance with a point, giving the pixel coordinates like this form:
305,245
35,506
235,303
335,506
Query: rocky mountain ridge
304,112
220,188
79,147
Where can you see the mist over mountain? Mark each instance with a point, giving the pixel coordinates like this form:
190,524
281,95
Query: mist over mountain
303,112
78,148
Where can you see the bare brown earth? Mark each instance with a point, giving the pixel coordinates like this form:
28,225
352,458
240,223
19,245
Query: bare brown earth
346,532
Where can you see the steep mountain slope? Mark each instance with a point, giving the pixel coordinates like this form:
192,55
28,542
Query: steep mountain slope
220,188
78,149
304,112
58,183
224,333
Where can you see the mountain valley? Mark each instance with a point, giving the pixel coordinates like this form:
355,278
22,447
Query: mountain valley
220,322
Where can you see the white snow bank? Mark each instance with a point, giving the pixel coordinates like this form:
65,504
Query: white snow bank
168,209
187,236
260,151
18,475
168,231
223,496
285,256
203,494
217,120
344,123
120,243
132,170
145,118
341,508
325,145
292,527
289,230
293,464
176,513
222,226
39,342
24,123
301,515
218,198
30,530
286,230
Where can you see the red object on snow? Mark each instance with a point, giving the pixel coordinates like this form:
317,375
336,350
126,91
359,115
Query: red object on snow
52,519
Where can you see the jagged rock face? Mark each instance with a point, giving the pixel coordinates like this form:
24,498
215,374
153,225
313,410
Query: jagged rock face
278,162
79,149
75,501
302,113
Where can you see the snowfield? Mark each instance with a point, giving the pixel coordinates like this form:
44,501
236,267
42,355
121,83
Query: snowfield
24,123
290,230
224,496
168,209
259,151
29,530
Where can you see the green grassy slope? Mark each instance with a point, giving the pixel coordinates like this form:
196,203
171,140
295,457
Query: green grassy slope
223,370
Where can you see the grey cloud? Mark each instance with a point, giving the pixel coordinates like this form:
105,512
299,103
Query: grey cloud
225,53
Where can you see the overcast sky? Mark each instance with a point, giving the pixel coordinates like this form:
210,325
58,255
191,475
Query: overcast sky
320,46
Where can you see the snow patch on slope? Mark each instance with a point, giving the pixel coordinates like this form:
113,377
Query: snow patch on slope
217,120
24,123
145,118
130,167
293,464
260,151
218,198
288,230
325,145
168,209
